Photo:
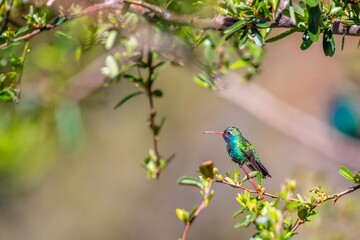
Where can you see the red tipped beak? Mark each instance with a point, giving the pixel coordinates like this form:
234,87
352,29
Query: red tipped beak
212,132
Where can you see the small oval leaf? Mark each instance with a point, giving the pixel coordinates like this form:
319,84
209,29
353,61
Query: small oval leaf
190,181
157,93
126,98
281,35
182,214
346,173
328,43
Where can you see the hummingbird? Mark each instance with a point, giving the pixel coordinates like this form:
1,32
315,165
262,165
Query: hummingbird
241,150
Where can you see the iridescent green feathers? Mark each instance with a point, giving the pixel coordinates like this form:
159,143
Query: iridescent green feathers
241,150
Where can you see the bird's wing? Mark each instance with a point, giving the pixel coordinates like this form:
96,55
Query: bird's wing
254,162
256,165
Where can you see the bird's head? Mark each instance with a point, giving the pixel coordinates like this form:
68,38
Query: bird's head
229,134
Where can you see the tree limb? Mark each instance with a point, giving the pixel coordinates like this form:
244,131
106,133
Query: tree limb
152,12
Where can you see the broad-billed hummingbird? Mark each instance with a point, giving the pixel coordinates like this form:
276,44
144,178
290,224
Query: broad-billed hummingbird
241,150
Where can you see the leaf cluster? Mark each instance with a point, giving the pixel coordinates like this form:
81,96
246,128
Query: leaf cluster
277,219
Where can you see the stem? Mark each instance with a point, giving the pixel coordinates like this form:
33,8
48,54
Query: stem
201,207
18,82
254,191
6,16
335,196
259,192
152,112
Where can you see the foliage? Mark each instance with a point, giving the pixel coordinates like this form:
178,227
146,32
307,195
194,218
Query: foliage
143,36
276,219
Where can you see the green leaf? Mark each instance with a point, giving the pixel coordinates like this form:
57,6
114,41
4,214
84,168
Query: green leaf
262,23
292,11
235,27
281,35
126,98
190,181
314,22
238,64
247,221
276,203
221,10
252,175
131,78
22,30
157,93
257,37
312,213
193,212
182,214
346,173
312,3
77,54
300,198
240,223
64,35
259,178
8,95
203,81
243,38
328,43
236,175
335,10
239,211
303,213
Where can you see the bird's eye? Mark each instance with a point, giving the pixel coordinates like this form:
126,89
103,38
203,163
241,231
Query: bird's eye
228,133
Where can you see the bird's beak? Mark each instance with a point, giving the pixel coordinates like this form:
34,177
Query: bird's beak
213,132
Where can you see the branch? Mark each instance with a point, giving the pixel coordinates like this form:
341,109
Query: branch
201,207
50,26
222,22
152,12
335,196
152,112
258,191
254,191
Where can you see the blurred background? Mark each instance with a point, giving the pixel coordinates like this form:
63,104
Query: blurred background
72,169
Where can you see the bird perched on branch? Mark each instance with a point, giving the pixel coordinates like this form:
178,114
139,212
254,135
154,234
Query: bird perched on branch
241,150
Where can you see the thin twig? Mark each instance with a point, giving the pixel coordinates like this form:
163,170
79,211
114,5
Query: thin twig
152,112
22,59
335,196
259,192
254,191
201,207
50,26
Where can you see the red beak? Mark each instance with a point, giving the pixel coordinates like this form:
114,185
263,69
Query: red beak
212,132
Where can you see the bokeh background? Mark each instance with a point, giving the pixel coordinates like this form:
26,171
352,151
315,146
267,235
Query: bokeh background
71,169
